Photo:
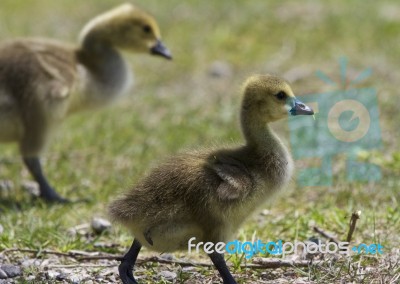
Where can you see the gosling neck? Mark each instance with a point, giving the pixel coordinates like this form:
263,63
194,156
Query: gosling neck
258,134
104,64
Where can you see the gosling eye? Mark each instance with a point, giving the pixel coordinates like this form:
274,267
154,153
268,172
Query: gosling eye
281,96
146,29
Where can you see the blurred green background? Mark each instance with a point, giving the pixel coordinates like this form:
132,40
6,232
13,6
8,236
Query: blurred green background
194,100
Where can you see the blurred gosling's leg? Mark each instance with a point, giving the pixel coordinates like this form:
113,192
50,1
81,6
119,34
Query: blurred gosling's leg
46,191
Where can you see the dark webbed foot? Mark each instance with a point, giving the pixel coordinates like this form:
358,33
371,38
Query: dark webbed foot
57,199
220,264
125,272
51,196
126,267
47,192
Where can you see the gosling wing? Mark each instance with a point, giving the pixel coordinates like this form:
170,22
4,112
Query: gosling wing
236,181
34,65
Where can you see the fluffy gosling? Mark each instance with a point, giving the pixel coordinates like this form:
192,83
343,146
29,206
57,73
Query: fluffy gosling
43,81
209,194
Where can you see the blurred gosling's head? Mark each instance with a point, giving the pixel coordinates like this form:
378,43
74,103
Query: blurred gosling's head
268,98
125,27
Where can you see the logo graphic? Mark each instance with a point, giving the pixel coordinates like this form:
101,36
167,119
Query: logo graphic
279,247
347,121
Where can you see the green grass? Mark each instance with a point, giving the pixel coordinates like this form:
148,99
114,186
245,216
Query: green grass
178,105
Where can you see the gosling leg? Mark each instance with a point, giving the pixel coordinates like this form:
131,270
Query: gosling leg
220,264
127,263
46,191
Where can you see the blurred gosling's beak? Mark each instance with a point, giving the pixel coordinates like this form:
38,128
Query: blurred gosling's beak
300,108
160,49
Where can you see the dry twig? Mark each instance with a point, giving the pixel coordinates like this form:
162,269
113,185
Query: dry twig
81,256
330,237
75,254
353,221
277,262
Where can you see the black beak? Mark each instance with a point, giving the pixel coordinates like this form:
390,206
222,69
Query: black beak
160,49
300,108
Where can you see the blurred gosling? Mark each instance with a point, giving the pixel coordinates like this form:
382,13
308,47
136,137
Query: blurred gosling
43,81
209,194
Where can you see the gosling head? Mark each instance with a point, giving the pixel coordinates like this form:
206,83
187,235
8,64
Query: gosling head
270,98
128,28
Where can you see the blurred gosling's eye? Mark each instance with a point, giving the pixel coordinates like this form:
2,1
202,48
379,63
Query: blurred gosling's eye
146,29
281,96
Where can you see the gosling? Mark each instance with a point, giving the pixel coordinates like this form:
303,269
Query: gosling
43,81
209,194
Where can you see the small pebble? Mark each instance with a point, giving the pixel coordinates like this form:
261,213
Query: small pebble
52,274
6,185
99,225
71,232
189,269
82,229
112,279
3,275
11,270
30,262
265,212
220,69
168,275
6,281
61,277
75,279
31,186
167,256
